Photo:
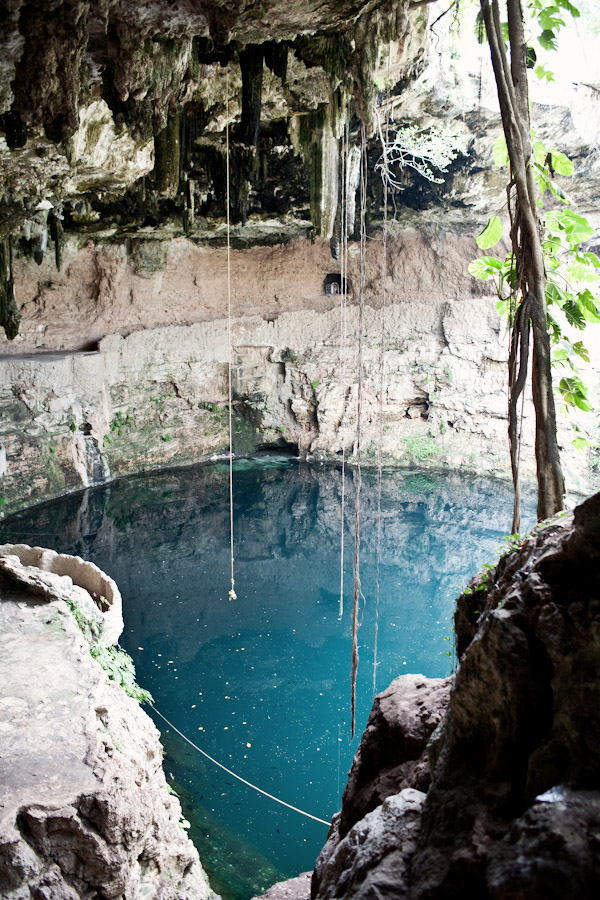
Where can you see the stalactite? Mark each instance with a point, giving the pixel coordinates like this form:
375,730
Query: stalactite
276,59
10,317
167,155
251,63
58,236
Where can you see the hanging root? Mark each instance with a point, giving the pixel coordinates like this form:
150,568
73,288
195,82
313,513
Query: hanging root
361,309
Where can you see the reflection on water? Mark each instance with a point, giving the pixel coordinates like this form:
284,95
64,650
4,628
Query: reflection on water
263,683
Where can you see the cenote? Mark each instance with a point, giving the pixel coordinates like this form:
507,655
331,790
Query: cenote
262,683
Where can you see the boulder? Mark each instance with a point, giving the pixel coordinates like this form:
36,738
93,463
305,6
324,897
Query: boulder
514,802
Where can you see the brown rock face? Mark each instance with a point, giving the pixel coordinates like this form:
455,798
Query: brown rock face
392,753
384,794
513,808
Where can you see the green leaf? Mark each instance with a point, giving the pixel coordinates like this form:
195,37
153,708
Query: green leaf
580,443
576,228
539,152
581,351
486,267
500,151
589,309
555,294
581,271
544,74
531,58
553,327
560,357
549,20
566,4
491,234
560,193
547,40
574,314
574,393
561,163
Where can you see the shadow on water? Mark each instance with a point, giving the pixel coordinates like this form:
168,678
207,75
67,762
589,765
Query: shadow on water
262,683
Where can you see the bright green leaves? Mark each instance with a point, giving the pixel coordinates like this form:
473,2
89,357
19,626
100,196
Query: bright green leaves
570,226
574,393
561,163
548,163
485,267
491,234
544,74
569,270
589,307
550,16
548,40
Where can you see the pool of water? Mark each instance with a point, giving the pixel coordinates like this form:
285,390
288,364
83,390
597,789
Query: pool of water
262,683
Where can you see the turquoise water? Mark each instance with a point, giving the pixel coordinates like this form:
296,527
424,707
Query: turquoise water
262,683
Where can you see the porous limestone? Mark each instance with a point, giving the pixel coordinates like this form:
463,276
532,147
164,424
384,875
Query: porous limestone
85,809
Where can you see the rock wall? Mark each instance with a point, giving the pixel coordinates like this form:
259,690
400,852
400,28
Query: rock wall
513,808
85,807
153,390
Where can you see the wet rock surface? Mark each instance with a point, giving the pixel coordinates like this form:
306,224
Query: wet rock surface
512,810
85,809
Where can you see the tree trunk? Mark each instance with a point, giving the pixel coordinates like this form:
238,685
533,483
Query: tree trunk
511,82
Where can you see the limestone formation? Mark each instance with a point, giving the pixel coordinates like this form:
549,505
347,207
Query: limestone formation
85,808
513,807
153,391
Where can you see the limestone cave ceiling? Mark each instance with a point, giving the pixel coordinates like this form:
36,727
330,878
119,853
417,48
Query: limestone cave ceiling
113,117
112,114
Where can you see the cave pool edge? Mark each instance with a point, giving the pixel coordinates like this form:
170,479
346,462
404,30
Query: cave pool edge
262,683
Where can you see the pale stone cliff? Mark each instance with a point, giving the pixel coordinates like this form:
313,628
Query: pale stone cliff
85,810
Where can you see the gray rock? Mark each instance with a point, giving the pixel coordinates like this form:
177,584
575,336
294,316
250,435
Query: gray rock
292,889
392,752
85,810
513,810
372,860
391,758
553,851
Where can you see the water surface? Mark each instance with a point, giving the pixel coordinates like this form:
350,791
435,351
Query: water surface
262,683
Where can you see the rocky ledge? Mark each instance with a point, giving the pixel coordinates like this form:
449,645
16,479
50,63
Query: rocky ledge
489,789
84,809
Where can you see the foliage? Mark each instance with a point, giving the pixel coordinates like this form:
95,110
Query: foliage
117,664
569,269
421,446
119,667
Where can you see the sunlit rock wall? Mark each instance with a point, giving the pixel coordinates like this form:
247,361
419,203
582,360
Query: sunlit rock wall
79,407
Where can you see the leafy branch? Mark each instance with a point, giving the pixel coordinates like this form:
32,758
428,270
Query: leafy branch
567,265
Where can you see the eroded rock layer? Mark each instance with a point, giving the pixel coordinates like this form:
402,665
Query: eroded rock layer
513,809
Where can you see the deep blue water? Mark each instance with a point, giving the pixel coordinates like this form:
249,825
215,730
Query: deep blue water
262,683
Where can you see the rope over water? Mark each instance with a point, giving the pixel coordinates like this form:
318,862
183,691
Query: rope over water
232,593
239,777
